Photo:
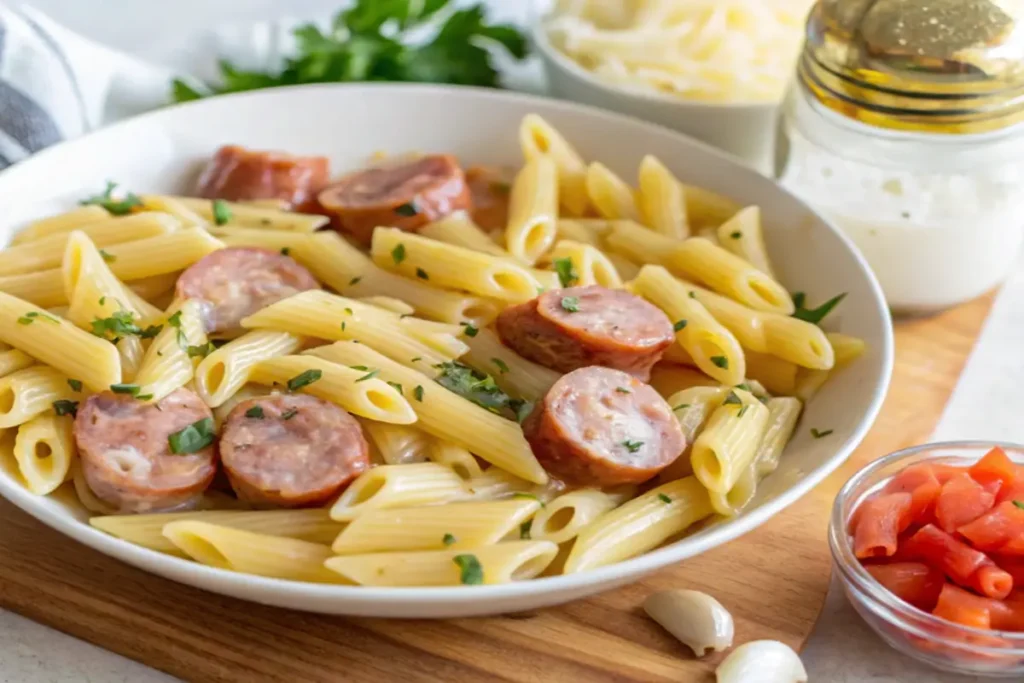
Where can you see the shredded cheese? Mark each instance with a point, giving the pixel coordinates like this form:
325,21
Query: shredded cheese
707,50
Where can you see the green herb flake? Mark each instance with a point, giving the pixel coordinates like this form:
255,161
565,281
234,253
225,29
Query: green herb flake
342,325
65,407
146,397
255,413
396,386
814,315
1019,503
75,384
736,235
682,406
115,207
693,295
221,212
471,573
408,209
175,322
286,251
289,414
304,379
118,325
720,361
355,280
130,389
623,390
743,410
370,375
151,331
732,399
570,304
632,446
521,408
664,499
475,386
422,274
501,365
819,434
680,325
107,256
524,529
470,329
448,539
193,438
567,274
32,316
398,254
201,350
418,393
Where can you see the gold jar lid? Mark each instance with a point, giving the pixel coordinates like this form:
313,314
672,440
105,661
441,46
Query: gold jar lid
939,66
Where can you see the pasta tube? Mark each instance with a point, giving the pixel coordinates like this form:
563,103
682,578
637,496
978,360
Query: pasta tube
512,373
63,222
44,448
727,445
538,138
170,360
249,215
227,369
28,393
533,210
397,486
590,266
783,414
609,194
742,235
562,519
459,229
398,444
660,198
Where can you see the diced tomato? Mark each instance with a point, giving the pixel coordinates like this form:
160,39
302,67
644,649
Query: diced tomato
921,482
996,466
1013,618
961,607
959,561
999,529
879,524
961,501
944,472
1011,492
1014,566
914,582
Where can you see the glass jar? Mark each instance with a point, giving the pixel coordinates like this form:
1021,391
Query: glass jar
911,149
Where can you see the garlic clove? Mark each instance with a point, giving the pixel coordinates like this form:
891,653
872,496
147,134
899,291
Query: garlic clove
762,661
696,619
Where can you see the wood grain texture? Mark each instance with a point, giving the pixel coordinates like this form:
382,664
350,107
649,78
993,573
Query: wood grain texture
773,580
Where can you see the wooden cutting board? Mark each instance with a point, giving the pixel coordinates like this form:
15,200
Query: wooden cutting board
773,580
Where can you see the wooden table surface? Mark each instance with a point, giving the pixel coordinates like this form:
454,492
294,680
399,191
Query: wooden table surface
773,580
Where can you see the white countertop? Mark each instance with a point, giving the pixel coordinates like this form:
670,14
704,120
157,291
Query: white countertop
841,650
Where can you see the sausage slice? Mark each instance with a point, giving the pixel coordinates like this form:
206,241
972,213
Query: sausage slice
566,329
405,196
290,450
238,281
489,189
126,454
236,174
601,427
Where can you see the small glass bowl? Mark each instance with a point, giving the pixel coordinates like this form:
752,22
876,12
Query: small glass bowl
934,641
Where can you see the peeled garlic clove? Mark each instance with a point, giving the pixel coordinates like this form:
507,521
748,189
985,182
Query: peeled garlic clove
762,661
695,618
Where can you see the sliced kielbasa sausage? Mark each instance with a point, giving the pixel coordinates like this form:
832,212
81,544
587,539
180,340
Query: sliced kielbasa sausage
489,188
290,450
238,281
127,454
601,427
406,196
565,329
236,174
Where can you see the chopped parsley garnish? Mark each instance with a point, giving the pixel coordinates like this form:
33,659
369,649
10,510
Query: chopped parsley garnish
693,295
1019,504
663,498
396,386
256,413
418,393
745,387
502,366
131,389
398,254
66,407
732,399
681,406
193,438
744,409
107,256
473,385
221,212
471,571
370,375
417,359
736,235
531,496
567,274
448,539
75,384
304,379
407,209
521,408
120,324
31,317
285,251
289,414
342,325
814,315
632,446
355,280
422,274
820,435
470,329
680,324
623,390
524,529
570,304
720,361
175,322
116,207
201,350
147,397
151,331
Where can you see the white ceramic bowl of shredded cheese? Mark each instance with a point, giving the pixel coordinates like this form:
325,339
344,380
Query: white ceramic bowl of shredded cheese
713,69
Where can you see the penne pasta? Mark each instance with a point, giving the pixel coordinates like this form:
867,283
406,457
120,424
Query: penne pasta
727,444
533,210
512,373
63,222
12,360
609,194
692,408
459,229
314,526
538,138
846,349
160,255
357,390
668,378
707,208
249,215
397,486
446,415
455,526
44,449
639,525
783,414
243,551
585,231
590,266
455,458
501,563
44,289
777,375
453,267
173,206
285,241
389,304
223,372
661,201
28,393
563,518
398,444
171,358
743,236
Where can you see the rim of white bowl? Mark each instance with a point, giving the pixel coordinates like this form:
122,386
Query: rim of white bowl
705,540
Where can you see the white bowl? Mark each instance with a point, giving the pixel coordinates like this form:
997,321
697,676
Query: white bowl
746,130
161,152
